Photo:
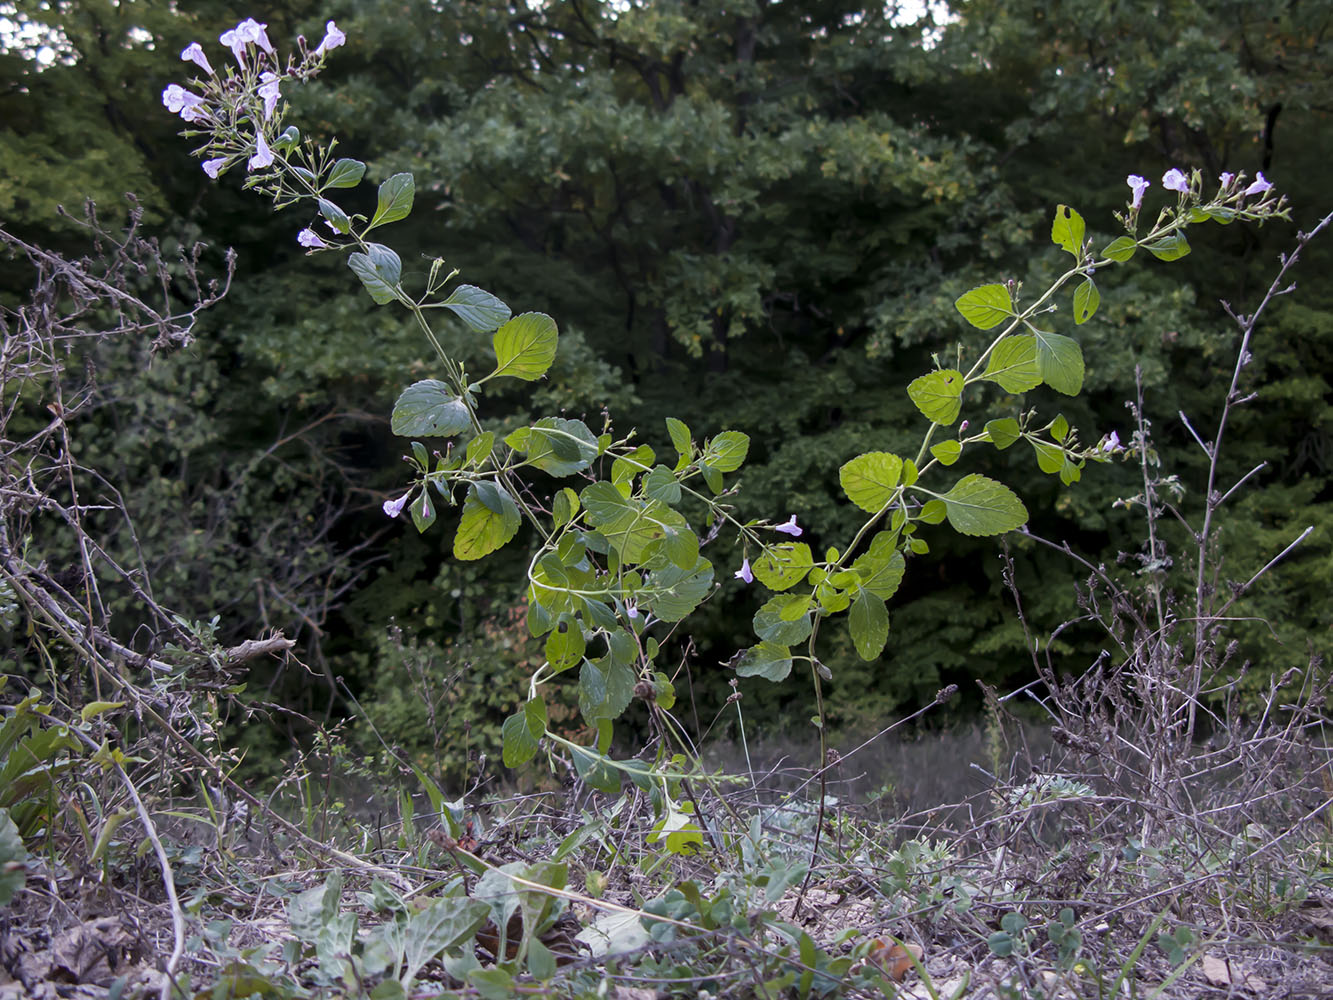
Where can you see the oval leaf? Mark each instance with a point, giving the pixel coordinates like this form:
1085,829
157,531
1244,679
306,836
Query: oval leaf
986,306
1120,249
939,395
346,174
476,307
1086,301
482,530
1067,231
525,346
782,567
395,200
727,451
429,409
1013,364
980,506
771,625
869,480
1060,361
767,660
1003,432
379,270
869,624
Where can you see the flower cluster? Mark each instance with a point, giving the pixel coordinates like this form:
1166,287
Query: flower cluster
247,96
1176,180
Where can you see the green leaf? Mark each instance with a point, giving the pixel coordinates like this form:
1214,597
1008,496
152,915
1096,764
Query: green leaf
672,592
1050,458
565,644
423,512
1086,301
783,566
429,409
525,346
939,395
593,769
1013,364
483,529
395,200
1120,249
476,307
770,625
556,445
981,506
379,270
346,173
1003,432
986,306
711,476
336,216
95,708
606,686
869,624
1060,361
13,875
1067,231
518,746
1171,248
1060,428
947,452
444,924
933,512
768,660
727,451
869,480
660,484
881,567
680,437
565,506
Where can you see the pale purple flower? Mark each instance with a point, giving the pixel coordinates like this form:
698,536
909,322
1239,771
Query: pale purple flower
1260,185
263,155
395,507
631,609
248,32
1226,179
194,53
180,101
214,167
744,572
1175,180
332,39
789,527
1137,185
268,90
307,237
1112,444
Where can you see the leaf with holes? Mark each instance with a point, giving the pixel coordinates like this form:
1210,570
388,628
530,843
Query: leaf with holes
1086,301
1067,231
939,395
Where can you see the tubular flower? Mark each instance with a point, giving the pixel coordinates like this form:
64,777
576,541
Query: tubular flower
180,101
1112,444
744,572
395,507
263,155
1226,179
248,32
194,53
1260,185
268,90
1175,180
307,237
789,527
1137,185
214,167
332,39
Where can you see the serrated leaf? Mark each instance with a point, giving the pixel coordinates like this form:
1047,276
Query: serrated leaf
556,445
868,622
986,306
525,346
938,395
1171,248
1013,364
947,452
429,409
1003,432
881,567
1086,301
482,530
672,592
770,625
379,270
346,173
1060,361
395,200
1120,249
1067,231
478,308
869,480
727,451
768,660
981,506
783,566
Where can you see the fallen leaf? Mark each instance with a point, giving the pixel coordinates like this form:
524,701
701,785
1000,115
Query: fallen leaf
895,959
1223,972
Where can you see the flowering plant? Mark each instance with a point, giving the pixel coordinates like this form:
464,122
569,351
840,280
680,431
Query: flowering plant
618,561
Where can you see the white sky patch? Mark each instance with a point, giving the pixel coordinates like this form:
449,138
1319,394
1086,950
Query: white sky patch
37,43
